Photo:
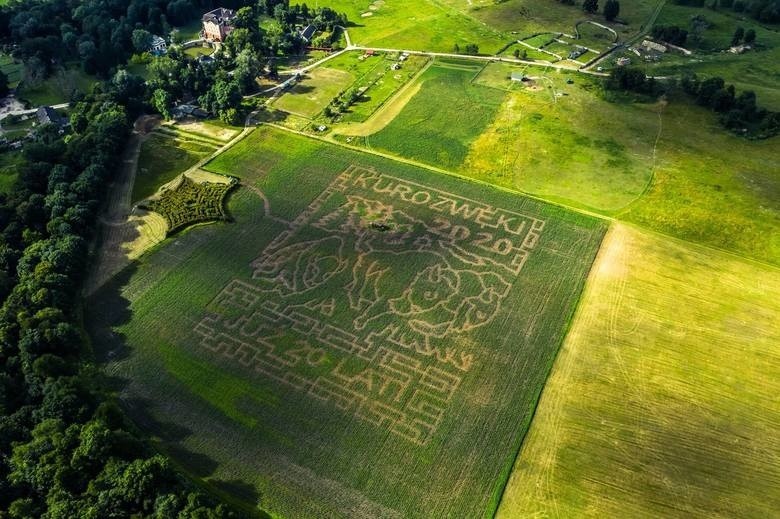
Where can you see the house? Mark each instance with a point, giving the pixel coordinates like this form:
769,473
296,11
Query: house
623,61
577,52
186,110
217,24
306,33
517,76
739,49
650,45
158,46
47,115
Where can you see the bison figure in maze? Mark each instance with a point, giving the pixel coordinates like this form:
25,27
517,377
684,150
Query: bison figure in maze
436,301
300,267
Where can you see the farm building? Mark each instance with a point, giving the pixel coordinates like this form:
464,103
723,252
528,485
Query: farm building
623,61
650,45
217,24
517,76
739,49
307,33
158,46
186,110
47,115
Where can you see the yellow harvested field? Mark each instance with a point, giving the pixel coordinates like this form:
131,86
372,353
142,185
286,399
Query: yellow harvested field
663,401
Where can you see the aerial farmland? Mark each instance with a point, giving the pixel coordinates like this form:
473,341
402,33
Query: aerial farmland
390,259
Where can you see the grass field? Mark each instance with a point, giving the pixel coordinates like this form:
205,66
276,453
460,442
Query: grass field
526,17
564,142
166,154
314,92
663,400
9,169
286,367
417,25
59,88
445,116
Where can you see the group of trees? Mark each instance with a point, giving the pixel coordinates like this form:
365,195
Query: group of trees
65,448
670,34
99,34
471,49
742,36
766,11
611,7
737,112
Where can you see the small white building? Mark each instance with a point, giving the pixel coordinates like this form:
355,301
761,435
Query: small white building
158,46
650,45
623,61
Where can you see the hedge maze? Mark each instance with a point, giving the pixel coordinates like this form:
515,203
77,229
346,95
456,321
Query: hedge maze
190,202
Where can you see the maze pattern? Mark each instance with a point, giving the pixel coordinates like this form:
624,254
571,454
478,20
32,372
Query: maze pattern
191,202
336,310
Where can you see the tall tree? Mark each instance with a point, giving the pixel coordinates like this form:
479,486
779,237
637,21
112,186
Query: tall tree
590,6
611,9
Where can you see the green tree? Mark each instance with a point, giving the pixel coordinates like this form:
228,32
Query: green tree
750,36
162,102
142,40
611,9
590,6
738,35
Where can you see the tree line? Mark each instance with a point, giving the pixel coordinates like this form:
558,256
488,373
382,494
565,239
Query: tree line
737,112
66,449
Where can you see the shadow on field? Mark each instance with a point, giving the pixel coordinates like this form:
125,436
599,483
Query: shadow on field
106,309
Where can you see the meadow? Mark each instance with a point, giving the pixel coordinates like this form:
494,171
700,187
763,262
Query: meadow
663,399
557,138
445,116
283,351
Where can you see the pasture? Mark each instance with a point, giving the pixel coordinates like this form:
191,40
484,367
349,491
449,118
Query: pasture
663,399
366,338
444,117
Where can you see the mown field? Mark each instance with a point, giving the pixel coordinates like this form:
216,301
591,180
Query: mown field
366,338
663,400
314,92
445,116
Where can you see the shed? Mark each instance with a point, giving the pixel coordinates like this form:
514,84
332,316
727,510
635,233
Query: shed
308,32
517,76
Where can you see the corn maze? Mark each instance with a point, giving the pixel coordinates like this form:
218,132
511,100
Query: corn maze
366,339
363,236
190,202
